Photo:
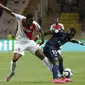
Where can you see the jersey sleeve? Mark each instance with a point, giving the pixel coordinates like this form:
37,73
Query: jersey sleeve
51,27
62,26
38,27
19,17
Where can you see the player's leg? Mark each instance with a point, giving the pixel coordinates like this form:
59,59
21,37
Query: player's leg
16,57
59,50
61,66
35,49
44,59
18,52
52,55
55,69
50,68
60,63
61,69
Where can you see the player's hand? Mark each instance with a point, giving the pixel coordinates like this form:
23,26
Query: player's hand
1,5
82,44
41,43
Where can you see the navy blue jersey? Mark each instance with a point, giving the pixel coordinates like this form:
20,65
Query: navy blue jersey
58,39
52,45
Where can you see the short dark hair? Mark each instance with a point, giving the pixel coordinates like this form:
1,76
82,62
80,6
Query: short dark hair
73,29
56,17
29,15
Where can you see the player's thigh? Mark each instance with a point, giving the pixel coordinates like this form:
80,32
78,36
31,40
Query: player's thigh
16,56
51,53
59,50
20,47
33,47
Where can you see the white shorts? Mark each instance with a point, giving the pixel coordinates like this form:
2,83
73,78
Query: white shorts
23,45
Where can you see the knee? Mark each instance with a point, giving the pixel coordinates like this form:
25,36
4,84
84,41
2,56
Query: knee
40,54
16,56
60,59
55,61
14,59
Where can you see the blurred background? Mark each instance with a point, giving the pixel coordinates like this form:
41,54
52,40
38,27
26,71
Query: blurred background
70,12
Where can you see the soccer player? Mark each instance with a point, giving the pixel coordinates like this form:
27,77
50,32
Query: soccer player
24,39
51,51
55,28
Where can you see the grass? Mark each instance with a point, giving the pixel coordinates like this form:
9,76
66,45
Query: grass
31,71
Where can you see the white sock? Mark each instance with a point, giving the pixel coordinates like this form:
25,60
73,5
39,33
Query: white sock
47,63
12,66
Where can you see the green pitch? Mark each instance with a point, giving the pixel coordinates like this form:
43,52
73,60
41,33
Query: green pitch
31,71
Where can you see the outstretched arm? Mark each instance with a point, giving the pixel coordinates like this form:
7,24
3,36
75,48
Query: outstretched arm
7,10
47,33
51,32
78,42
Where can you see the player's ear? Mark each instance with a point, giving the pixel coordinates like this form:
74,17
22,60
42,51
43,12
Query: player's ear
68,31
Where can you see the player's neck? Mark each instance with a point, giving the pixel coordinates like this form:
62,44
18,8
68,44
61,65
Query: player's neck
56,23
26,23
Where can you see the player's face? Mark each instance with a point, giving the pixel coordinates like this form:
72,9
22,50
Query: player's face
71,34
29,21
56,20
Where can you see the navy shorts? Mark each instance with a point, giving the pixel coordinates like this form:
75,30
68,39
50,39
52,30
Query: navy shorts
50,52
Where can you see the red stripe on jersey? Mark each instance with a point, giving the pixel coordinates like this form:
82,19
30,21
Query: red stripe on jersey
56,27
28,30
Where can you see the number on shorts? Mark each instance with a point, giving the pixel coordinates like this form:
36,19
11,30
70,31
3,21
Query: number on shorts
54,52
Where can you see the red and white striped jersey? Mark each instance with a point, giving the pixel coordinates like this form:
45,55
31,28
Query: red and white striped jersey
59,26
25,31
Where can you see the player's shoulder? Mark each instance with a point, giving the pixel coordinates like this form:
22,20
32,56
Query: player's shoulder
34,22
19,16
60,23
53,24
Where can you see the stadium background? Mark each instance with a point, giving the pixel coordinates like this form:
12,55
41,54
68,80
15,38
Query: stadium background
44,12
34,72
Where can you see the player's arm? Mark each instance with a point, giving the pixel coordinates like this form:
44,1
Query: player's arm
7,10
41,34
76,41
49,32
62,27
